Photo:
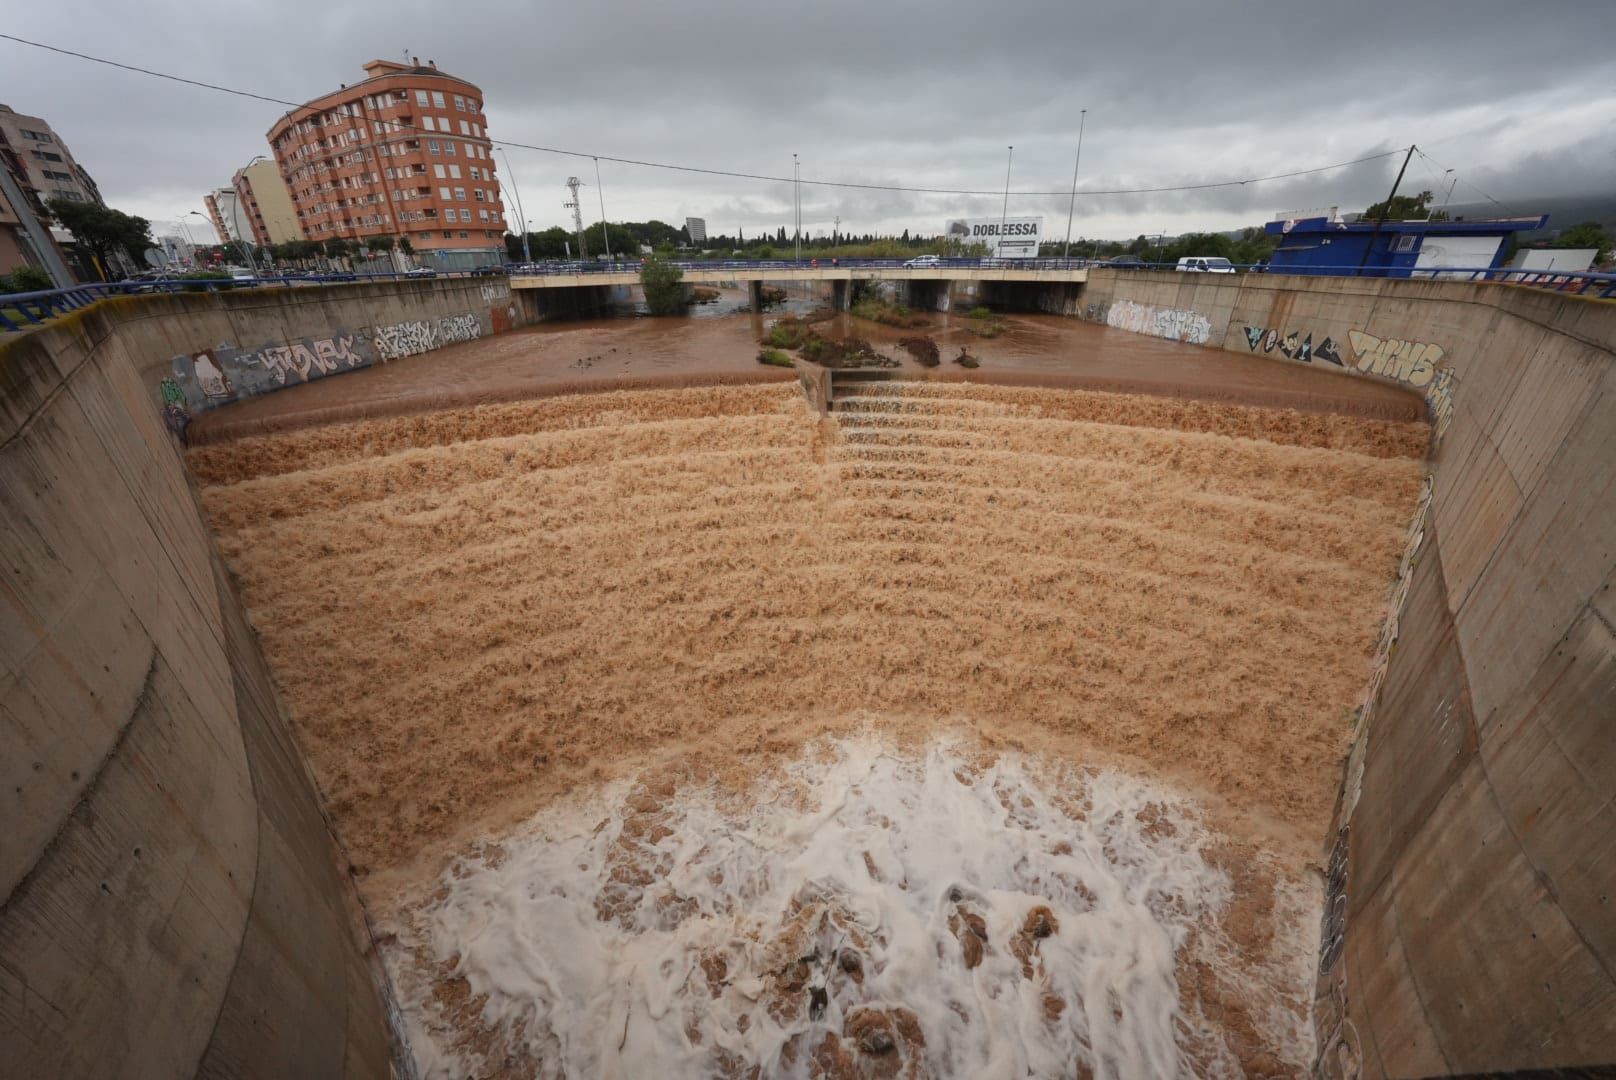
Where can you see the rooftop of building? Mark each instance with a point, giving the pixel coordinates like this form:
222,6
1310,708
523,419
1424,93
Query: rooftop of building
374,70
1444,226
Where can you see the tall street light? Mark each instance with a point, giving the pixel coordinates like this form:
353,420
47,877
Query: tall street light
1082,118
604,236
1004,212
239,246
796,211
516,193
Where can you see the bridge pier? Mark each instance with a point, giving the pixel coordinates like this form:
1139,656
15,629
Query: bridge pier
839,293
754,295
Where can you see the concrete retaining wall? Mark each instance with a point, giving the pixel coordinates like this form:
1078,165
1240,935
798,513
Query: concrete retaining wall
171,899
1478,886
211,349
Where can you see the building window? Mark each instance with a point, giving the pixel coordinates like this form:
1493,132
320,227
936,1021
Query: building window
454,172
479,193
460,194
437,98
464,235
443,193
421,99
460,103
432,145
448,236
473,105
465,128
477,130
428,124
449,148
437,170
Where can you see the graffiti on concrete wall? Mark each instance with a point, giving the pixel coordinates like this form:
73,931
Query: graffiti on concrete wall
1178,324
176,416
1414,363
227,372
496,291
424,335
300,362
1297,345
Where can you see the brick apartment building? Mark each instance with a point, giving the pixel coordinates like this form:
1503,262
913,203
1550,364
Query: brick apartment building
405,153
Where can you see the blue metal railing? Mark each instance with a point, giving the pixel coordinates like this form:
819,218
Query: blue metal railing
1579,283
18,311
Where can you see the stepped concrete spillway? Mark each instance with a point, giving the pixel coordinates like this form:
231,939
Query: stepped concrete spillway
481,615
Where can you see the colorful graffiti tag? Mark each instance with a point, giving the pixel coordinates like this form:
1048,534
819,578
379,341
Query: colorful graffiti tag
1178,324
176,417
320,357
1414,363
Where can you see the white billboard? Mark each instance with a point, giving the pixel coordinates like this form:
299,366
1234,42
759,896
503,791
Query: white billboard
1019,240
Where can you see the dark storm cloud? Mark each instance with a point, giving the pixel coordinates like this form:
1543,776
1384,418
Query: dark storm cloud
1518,100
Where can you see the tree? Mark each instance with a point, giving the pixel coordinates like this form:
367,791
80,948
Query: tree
1590,234
103,230
1405,208
405,246
661,280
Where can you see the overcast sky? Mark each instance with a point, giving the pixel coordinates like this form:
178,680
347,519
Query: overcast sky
1519,99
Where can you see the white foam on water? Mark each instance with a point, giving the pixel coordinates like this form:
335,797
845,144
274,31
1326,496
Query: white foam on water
595,930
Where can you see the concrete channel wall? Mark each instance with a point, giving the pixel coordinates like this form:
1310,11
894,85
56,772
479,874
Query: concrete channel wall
172,901
1478,888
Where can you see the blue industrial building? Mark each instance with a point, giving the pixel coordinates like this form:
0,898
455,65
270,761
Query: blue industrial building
1327,245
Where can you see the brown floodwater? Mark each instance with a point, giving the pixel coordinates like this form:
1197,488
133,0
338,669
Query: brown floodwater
718,344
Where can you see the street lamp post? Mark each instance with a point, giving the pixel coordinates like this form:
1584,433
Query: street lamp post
796,211
605,237
1004,212
516,193
1083,116
245,253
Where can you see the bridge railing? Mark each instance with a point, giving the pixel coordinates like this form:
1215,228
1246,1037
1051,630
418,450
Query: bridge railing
1581,282
539,268
18,311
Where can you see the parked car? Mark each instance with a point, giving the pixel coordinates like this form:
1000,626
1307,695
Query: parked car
242,277
1205,265
1126,262
421,271
922,262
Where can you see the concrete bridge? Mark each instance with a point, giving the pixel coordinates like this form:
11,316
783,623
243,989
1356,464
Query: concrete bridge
1045,284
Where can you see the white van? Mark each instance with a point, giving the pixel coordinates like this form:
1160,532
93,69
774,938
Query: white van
1207,265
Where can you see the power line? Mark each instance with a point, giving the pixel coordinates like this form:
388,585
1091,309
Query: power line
1468,184
732,174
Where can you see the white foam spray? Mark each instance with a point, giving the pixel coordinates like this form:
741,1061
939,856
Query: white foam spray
634,932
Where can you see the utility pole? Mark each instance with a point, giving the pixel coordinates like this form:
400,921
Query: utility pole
836,231
605,237
1385,212
1004,212
1082,118
573,184
38,236
796,212
527,252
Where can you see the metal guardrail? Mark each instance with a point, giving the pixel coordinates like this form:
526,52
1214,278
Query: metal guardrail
625,266
18,311
1579,283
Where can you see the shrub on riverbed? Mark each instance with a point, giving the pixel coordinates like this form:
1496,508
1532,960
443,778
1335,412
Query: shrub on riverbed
775,358
923,349
662,282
